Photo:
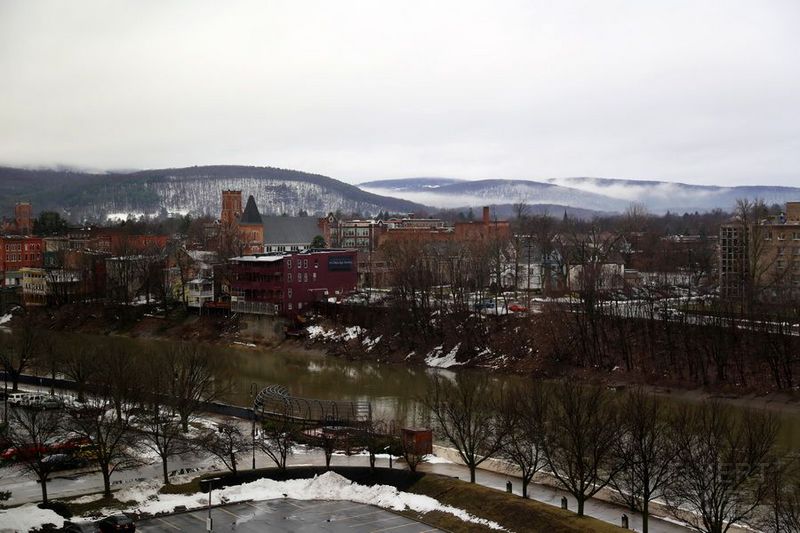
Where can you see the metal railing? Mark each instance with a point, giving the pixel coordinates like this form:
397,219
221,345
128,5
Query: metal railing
274,402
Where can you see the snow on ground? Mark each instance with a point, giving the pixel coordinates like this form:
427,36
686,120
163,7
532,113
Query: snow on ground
370,343
437,358
349,333
6,318
328,486
27,517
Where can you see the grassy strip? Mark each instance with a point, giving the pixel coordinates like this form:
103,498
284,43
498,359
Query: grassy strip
510,511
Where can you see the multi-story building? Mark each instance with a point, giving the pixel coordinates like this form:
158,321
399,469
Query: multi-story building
18,252
286,284
765,254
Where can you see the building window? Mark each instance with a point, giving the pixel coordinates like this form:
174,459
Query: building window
289,292
288,263
289,277
305,263
314,276
305,277
290,306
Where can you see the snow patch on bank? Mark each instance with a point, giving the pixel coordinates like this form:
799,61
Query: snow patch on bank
6,318
328,486
320,333
437,357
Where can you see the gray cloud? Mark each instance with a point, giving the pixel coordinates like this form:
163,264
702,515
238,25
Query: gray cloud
701,92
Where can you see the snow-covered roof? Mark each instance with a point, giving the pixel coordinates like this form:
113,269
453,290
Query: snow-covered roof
259,258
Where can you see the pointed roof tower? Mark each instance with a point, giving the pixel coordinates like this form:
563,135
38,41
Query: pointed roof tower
250,215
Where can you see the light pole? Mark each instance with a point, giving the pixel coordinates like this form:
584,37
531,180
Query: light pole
5,396
209,522
253,387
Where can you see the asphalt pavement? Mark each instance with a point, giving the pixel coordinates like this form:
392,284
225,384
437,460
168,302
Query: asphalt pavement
289,516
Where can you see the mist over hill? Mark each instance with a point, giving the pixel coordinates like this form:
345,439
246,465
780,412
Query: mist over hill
593,194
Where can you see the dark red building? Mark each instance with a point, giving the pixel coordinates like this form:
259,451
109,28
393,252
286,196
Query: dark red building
286,284
20,252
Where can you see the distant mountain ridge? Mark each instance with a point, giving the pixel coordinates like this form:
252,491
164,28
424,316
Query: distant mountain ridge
195,190
593,194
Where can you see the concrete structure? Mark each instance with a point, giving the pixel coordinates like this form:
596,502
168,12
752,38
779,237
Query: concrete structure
285,284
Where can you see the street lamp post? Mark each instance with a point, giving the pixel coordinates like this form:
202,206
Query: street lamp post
253,387
209,521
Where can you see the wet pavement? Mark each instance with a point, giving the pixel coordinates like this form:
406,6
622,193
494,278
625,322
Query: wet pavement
289,516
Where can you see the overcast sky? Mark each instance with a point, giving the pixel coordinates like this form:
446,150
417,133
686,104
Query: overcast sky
700,92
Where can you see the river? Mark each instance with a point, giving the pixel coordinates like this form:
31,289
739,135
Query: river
393,389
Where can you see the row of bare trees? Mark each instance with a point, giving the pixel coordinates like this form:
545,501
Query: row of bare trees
131,401
707,465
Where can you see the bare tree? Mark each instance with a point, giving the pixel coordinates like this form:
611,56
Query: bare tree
579,440
527,412
646,451
191,368
467,413
721,464
783,502
31,431
227,443
159,425
277,439
113,441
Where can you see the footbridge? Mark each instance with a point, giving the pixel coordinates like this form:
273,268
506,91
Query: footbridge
274,402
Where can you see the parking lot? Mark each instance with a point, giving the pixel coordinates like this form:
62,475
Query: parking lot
289,516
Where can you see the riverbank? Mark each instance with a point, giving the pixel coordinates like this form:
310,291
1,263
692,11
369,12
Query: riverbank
509,358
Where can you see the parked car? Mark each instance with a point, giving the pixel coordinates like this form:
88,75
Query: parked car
517,308
49,402
63,461
12,454
117,522
16,398
486,304
32,400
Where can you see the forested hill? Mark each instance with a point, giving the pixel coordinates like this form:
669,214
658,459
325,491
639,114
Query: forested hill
196,190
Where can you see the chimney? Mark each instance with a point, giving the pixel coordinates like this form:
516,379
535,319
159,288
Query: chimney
486,215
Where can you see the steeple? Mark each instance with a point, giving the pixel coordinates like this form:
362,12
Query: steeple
251,214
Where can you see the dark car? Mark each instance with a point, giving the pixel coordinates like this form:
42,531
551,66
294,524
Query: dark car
63,461
117,522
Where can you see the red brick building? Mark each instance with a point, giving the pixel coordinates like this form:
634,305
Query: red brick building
18,252
286,284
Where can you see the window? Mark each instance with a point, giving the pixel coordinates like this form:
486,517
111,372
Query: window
288,263
315,276
289,292
305,263
289,277
290,306
305,277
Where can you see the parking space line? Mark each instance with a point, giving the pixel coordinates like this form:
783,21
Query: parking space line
168,523
359,515
395,527
371,522
195,515
230,513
